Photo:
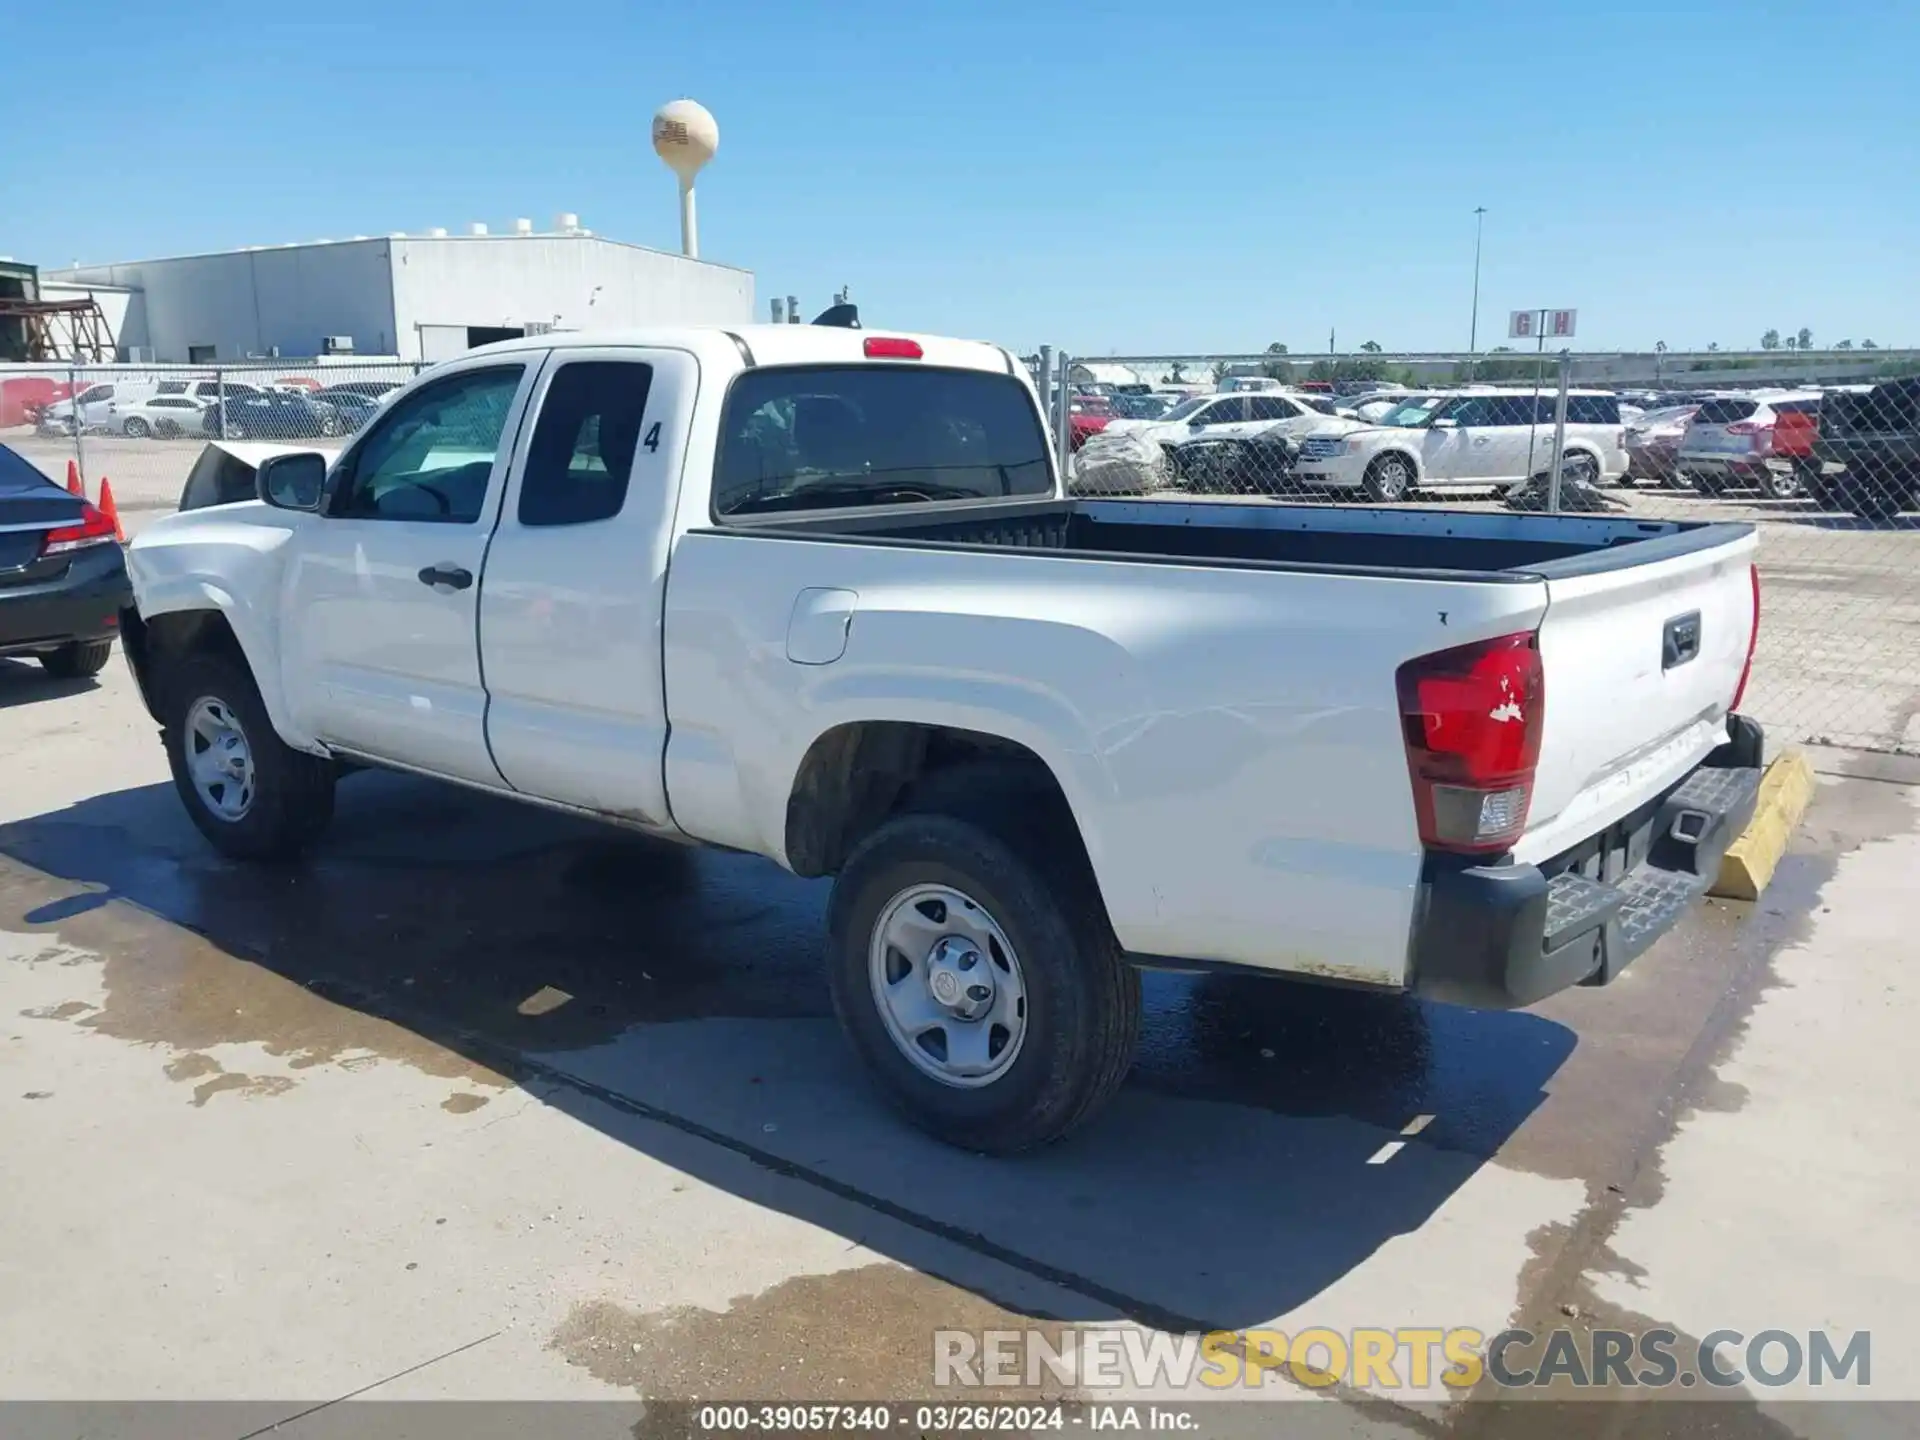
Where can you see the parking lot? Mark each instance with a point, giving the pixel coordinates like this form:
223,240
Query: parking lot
488,1103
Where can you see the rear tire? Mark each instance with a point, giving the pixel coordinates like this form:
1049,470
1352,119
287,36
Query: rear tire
78,659
135,428
1782,484
1080,1001
285,799
1389,479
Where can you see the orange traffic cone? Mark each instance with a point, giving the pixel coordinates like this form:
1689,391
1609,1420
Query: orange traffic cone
111,510
74,483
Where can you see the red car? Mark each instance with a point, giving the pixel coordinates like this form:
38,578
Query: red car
1087,415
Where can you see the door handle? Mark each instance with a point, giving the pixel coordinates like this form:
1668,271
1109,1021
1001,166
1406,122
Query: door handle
449,575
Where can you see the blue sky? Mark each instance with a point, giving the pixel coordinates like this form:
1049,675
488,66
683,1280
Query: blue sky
1107,177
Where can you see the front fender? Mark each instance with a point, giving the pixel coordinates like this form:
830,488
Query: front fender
232,560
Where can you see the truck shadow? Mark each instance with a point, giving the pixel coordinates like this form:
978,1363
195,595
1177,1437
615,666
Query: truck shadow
24,682
674,1000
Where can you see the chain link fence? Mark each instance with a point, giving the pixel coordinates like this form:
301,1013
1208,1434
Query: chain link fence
141,427
1820,450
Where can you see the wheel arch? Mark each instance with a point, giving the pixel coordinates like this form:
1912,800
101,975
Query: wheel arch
857,775
156,640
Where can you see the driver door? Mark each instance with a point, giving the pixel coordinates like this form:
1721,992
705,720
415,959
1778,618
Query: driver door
1447,452
381,649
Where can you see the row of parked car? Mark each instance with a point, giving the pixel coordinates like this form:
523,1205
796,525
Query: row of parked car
1388,444
230,409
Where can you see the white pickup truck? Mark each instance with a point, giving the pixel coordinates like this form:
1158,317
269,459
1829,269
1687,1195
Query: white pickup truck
817,594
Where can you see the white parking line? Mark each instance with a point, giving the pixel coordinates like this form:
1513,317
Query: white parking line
1393,1147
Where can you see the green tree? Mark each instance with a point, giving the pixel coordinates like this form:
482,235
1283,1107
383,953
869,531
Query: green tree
1770,340
1276,348
1843,344
1806,338
1713,346
1275,370
1868,345
1371,347
1220,369
1177,374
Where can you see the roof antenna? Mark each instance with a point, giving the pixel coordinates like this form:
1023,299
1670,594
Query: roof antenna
845,315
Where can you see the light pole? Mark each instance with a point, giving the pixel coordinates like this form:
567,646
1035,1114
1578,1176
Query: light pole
1473,330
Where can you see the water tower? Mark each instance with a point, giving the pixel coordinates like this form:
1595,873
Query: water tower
685,136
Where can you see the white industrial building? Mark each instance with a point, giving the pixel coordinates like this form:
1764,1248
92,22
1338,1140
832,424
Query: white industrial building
418,297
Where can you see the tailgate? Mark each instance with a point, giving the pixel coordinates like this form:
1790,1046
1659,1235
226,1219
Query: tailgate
1641,663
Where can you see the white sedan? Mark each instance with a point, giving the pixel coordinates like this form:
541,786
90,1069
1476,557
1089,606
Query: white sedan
164,415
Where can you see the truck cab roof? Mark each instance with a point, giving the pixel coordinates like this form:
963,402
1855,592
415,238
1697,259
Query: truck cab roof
777,345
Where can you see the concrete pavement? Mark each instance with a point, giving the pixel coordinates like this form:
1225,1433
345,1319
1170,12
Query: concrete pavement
482,1103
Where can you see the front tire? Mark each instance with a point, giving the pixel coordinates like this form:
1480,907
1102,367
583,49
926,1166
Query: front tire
135,428
1389,479
251,795
78,659
979,980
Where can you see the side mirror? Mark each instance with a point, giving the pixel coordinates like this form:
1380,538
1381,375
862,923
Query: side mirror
292,482
1443,424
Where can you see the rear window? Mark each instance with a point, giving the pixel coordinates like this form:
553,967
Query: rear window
1593,410
1724,412
822,437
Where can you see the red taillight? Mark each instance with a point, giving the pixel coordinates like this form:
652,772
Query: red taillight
888,347
94,528
1472,717
1753,639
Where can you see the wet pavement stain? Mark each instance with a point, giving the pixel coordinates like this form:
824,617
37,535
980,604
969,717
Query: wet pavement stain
69,1010
168,987
192,1067
856,1335
462,1104
231,1082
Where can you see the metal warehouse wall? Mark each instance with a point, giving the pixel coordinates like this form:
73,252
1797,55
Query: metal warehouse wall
573,282
248,301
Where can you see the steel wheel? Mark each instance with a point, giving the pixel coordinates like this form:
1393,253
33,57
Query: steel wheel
947,986
219,759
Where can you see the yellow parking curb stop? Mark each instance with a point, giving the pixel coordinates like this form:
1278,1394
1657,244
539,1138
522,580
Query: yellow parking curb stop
1785,792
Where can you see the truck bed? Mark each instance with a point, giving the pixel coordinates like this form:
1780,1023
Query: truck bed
1447,545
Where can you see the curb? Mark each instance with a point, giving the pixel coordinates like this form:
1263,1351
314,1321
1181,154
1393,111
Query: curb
1785,792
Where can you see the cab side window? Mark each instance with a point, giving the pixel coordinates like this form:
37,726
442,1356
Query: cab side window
429,458
583,447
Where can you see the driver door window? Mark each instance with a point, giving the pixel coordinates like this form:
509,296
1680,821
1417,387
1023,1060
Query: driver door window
1273,407
1221,412
431,456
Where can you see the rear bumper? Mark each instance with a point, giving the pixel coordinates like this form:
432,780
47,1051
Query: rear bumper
1502,936
1743,467
82,604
